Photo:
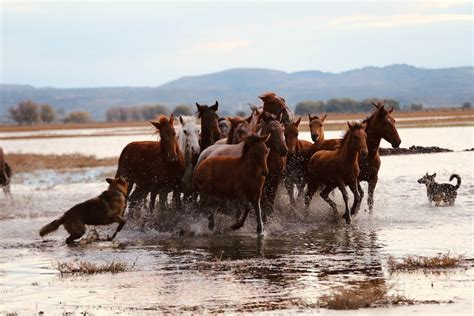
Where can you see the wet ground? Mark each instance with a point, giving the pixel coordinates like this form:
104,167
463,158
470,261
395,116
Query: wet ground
186,268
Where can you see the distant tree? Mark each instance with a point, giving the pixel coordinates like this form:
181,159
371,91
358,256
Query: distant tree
25,112
78,117
240,113
183,109
342,105
47,113
309,107
416,107
466,105
151,111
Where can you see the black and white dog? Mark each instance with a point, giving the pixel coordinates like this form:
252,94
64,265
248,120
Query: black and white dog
443,192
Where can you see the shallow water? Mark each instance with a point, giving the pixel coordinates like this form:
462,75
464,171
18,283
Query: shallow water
186,268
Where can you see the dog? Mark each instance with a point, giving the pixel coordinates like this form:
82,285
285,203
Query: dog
443,192
105,209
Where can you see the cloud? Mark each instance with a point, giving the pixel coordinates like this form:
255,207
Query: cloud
368,21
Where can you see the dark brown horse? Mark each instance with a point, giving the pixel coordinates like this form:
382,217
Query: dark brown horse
338,168
380,124
239,129
210,132
5,174
153,166
274,104
296,162
276,158
235,178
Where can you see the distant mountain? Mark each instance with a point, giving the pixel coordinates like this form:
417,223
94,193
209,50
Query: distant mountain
234,88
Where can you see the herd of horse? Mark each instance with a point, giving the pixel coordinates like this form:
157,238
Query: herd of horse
244,160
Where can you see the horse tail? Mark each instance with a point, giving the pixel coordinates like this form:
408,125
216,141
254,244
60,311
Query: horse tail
458,178
51,227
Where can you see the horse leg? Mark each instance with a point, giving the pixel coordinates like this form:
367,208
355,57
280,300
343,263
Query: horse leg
177,199
370,194
152,200
325,195
312,187
137,196
163,196
202,208
290,188
258,215
242,220
347,214
357,197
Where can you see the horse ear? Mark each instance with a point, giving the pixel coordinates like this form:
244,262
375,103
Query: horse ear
181,120
374,103
171,119
215,107
349,124
298,121
324,117
309,117
391,110
157,125
249,119
198,106
109,180
434,175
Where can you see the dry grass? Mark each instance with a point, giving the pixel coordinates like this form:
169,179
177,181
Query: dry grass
365,294
85,267
32,162
441,261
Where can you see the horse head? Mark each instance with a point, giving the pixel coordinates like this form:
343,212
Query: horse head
188,136
382,124
291,136
316,127
167,133
271,125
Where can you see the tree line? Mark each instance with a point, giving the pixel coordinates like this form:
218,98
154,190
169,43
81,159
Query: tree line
29,112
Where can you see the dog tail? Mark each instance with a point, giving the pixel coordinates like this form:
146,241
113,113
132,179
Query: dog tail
457,178
51,227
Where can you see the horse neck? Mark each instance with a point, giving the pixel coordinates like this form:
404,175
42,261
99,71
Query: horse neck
373,141
248,163
347,151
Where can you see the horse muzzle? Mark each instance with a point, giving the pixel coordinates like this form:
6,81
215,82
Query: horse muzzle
314,137
396,144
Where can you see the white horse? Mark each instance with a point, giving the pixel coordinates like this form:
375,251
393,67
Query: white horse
188,142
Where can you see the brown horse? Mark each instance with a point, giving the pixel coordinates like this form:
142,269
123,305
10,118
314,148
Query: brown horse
239,129
274,104
276,158
296,162
235,178
210,132
338,168
5,174
153,166
380,124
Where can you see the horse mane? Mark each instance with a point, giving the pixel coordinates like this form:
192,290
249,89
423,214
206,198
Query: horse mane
348,132
249,141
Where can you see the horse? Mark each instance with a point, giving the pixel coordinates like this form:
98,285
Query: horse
239,129
276,158
5,174
338,168
296,162
224,126
380,124
188,142
153,166
235,178
274,104
210,132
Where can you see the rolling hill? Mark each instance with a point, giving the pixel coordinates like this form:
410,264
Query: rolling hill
235,87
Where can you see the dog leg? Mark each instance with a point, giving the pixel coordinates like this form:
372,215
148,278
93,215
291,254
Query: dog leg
119,219
76,231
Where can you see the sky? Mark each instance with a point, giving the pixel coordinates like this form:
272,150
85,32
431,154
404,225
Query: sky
145,43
